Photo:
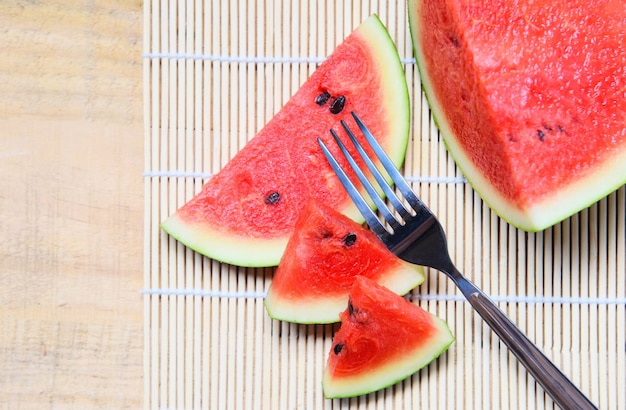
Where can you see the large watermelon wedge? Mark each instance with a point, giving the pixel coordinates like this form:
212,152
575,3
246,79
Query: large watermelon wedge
530,98
245,214
325,254
383,339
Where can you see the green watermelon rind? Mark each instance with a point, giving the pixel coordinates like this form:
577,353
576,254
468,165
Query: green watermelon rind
594,185
223,247
400,280
397,91
394,371
248,250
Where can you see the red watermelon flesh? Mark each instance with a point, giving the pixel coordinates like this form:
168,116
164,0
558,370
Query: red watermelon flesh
325,254
383,339
530,98
245,214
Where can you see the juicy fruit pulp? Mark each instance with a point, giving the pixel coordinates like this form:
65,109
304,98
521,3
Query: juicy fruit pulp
245,214
383,339
530,99
325,254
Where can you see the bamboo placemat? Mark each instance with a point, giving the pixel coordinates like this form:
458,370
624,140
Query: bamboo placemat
214,73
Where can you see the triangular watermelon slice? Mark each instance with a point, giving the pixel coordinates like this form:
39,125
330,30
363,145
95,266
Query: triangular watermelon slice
245,214
383,339
325,254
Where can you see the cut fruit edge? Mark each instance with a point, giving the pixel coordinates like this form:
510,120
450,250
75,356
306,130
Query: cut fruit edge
315,311
553,208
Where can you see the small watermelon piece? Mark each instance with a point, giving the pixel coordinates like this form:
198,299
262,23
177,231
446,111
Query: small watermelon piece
245,214
323,257
383,339
530,99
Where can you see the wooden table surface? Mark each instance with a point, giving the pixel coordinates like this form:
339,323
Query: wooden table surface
71,204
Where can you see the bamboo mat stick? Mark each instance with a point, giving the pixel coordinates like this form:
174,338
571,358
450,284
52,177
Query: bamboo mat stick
163,152
207,161
576,280
170,161
475,331
581,329
566,290
618,292
620,224
148,249
193,400
591,311
556,290
154,248
536,311
185,309
600,292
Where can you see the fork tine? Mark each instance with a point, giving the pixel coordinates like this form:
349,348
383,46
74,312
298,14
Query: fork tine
395,175
384,185
365,210
369,188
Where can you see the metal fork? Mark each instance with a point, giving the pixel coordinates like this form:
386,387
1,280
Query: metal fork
414,234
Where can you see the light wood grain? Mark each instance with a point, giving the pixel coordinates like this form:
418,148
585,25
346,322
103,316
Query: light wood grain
71,155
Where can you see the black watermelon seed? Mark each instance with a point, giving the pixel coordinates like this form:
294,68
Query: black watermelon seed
337,349
337,106
454,40
349,239
350,308
272,198
541,135
322,98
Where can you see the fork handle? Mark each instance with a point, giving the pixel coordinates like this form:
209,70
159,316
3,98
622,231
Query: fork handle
564,393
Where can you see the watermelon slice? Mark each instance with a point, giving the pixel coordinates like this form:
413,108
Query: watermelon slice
245,214
383,339
530,99
324,255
